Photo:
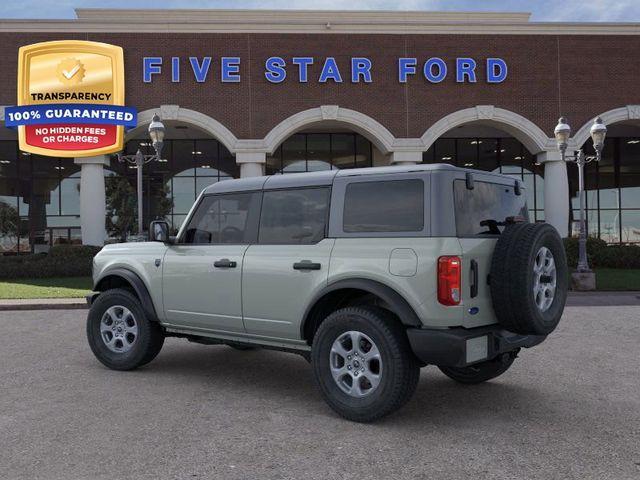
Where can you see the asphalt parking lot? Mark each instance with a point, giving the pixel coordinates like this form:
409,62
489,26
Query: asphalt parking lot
568,409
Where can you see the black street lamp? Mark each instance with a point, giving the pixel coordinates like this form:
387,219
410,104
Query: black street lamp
156,133
562,133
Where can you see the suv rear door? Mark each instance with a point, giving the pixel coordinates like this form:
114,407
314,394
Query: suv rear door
290,262
480,214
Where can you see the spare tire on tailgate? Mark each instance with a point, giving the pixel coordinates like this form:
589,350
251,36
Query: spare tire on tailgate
529,278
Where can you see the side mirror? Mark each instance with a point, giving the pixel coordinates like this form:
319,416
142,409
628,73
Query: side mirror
159,231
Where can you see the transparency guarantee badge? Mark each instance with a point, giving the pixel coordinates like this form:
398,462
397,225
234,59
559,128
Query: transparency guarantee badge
71,99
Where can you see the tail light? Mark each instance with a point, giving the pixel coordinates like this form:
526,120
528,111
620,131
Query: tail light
449,280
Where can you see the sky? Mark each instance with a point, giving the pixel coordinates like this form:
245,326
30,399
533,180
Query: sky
542,10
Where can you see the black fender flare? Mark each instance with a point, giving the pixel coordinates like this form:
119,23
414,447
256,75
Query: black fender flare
138,286
396,302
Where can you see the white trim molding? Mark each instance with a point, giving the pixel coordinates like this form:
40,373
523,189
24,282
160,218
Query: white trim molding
531,136
312,21
622,114
373,130
192,117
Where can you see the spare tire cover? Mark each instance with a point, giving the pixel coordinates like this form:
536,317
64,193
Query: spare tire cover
529,278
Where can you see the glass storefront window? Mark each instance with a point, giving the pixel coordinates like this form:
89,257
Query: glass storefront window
184,194
343,149
364,152
8,159
610,226
445,151
306,152
630,225
294,154
182,159
204,182
318,151
487,158
70,196
467,152
511,156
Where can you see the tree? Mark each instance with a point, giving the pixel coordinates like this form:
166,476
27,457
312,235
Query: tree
161,201
121,207
9,219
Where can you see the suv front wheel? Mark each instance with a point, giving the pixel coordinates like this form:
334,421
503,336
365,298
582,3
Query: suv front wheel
120,334
363,363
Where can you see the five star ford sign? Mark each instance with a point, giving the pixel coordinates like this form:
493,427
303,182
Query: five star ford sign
70,99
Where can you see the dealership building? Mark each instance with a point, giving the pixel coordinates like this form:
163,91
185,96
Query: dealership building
246,93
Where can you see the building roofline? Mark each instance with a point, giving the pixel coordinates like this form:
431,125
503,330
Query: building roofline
310,21
279,16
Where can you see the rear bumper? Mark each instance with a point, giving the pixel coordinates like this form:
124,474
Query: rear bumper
459,347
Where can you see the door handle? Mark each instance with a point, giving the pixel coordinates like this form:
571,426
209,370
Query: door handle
474,279
224,263
306,265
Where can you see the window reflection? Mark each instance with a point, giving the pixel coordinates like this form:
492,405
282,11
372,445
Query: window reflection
500,155
309,152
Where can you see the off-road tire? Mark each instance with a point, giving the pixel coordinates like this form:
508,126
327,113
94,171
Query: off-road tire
149,340
512,279
400,370
480,372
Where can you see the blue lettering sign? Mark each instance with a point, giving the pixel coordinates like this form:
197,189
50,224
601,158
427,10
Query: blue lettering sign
200,71
330,71
496,70
230,70
303,64
175,69
428,70
275,69
151,66
406,66
360,67
465,67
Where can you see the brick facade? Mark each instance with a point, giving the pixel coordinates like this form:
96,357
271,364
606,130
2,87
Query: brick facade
574,75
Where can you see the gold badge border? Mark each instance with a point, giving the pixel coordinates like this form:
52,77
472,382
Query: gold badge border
71,47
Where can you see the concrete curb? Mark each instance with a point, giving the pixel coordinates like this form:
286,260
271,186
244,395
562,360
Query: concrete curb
43,304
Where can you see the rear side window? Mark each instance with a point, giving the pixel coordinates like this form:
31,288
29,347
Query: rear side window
483,210
296,216
228,218
385,206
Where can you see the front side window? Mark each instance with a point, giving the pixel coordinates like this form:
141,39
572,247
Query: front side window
386,206
296,216
485,209
228,218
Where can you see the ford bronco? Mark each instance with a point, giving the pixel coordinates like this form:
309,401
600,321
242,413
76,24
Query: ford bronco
370,274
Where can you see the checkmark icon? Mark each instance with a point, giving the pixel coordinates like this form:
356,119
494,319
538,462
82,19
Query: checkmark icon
71,73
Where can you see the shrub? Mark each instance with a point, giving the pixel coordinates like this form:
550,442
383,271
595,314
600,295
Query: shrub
601,255
61,261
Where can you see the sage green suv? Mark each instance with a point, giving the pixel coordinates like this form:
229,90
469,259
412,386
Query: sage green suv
370,274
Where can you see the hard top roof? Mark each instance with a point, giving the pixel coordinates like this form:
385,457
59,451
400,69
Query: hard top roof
325,177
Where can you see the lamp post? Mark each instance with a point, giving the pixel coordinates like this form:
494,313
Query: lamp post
156,133
562,133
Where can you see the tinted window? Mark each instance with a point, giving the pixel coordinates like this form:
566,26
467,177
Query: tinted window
294,216
483,210
229,218
389,206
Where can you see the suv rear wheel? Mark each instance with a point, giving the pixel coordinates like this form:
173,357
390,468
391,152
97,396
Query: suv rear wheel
363,363
120,334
